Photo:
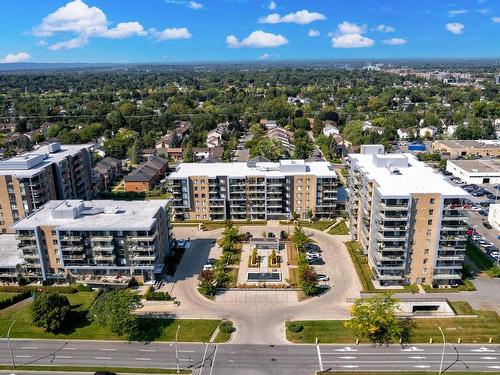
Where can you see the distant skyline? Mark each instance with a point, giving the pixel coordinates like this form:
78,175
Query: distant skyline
175,31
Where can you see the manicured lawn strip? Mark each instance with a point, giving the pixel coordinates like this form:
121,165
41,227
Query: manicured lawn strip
184,225
80,328
134,370
470,330
340,229
318,225
480,259
212,225
467,286
223,337
233,274
461,308
294,276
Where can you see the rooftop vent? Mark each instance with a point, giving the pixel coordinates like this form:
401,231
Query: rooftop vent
54,147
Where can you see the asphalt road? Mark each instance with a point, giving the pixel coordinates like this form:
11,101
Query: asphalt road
233,359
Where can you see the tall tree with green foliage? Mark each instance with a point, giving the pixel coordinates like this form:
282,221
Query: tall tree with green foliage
375,318
300,239
50,311
230,236
114,311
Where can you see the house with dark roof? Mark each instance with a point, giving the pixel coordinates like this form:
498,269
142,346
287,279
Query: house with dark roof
147,175
106,171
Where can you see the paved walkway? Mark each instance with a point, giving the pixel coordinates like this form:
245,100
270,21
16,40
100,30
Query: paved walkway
257,296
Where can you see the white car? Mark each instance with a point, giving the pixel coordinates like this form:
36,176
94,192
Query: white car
181,243
322,277
313,256
476,208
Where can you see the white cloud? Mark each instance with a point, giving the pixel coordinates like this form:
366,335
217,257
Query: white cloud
83,22
170,34
257,39
194,5
483,11
15,58
395,41
351,28
352,41
272,5
264,56
302,17
495,19
455,28
384,28
348,35
41,43
456,12
313,33
69,44
125,30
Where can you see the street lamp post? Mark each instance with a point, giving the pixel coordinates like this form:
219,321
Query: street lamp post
8,344
442,354
176,350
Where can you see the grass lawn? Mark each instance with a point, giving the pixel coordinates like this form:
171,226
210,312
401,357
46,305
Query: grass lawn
294,276
94,369
339,229
461,308
319,225
467,286
6,295
396,373
470,330
79,327
223,337
233,274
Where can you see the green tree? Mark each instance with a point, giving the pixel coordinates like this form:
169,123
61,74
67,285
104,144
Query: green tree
375,318
207,283
230,236
114,311
269,148
135,152
300,239
50,311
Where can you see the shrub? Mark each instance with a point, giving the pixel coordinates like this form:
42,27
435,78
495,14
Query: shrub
19,289
226,327
158,296
295,327
15,299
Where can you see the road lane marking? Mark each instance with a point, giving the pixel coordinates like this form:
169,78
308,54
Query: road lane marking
346,349
108,350
63,357
412,349
421,366
104,358
142,359
494,367
319,358
29,347
186,351
348,357
213,361
69,348
147,350
350,366
23,356
416,357
482,349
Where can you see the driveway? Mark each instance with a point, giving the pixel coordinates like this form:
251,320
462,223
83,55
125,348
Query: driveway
262,323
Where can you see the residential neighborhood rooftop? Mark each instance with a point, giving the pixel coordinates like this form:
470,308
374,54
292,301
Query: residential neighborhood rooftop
478,165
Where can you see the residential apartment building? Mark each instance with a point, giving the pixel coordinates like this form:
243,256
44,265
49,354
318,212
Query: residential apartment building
253,191
409,220
30,180
94,238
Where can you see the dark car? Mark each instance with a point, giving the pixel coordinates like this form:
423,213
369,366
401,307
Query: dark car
446,173
482,213
104,373
312,248
487,225
491,196
316,261
485,203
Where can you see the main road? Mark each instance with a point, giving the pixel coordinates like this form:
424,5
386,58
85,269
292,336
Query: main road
230,359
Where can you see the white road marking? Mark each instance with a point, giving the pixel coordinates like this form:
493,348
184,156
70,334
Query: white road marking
319,358
231,360
421,366
23,356
482,349
63,357
147,350
348,357
495,367
29,347
489,358
412,349
105,358
142,359
108,350
350,366
69,348
186,351
416,357
346,349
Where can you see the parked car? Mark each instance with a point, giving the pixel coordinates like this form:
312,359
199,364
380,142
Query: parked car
322,277
476,208
313,256
181,243
487,225
315,261
446,173
491,196
312,248
483,213
494,254
210,264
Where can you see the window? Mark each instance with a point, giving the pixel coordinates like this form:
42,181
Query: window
427,242
426,260
424,270
432,201
429,222
429,232
431,212
426,252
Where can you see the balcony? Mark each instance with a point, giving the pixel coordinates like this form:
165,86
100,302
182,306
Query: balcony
147,238
104,238
447,276
386,277
394,207
391,236
106,258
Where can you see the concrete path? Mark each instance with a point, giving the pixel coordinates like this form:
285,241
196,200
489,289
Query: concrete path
257,296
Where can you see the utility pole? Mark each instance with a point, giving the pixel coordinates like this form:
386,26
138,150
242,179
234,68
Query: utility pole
8,344
442,354
176,350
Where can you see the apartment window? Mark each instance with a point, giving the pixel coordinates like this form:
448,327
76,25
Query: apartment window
299,195
426,252
429,231
425,260
203,195
299,188
427,242
196,195
431,212
424,270
432,201
429,222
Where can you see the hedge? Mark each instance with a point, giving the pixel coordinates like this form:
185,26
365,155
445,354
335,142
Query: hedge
15,299
30,288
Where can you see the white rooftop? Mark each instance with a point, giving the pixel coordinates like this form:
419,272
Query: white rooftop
399,175
242,169
33,162
98,215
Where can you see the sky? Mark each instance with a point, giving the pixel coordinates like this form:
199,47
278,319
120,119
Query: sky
175,31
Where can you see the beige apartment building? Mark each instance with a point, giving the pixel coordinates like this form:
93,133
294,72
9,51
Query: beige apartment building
253,191
94,238
408,219
30,180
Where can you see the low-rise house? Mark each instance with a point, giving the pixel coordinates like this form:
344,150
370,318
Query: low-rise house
147,175
172,153
174,137
329,130
107,170
404,133
368,127
281,135
201,153
268,124
428,131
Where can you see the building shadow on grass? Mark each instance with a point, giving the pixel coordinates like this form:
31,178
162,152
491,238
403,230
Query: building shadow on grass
151,329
